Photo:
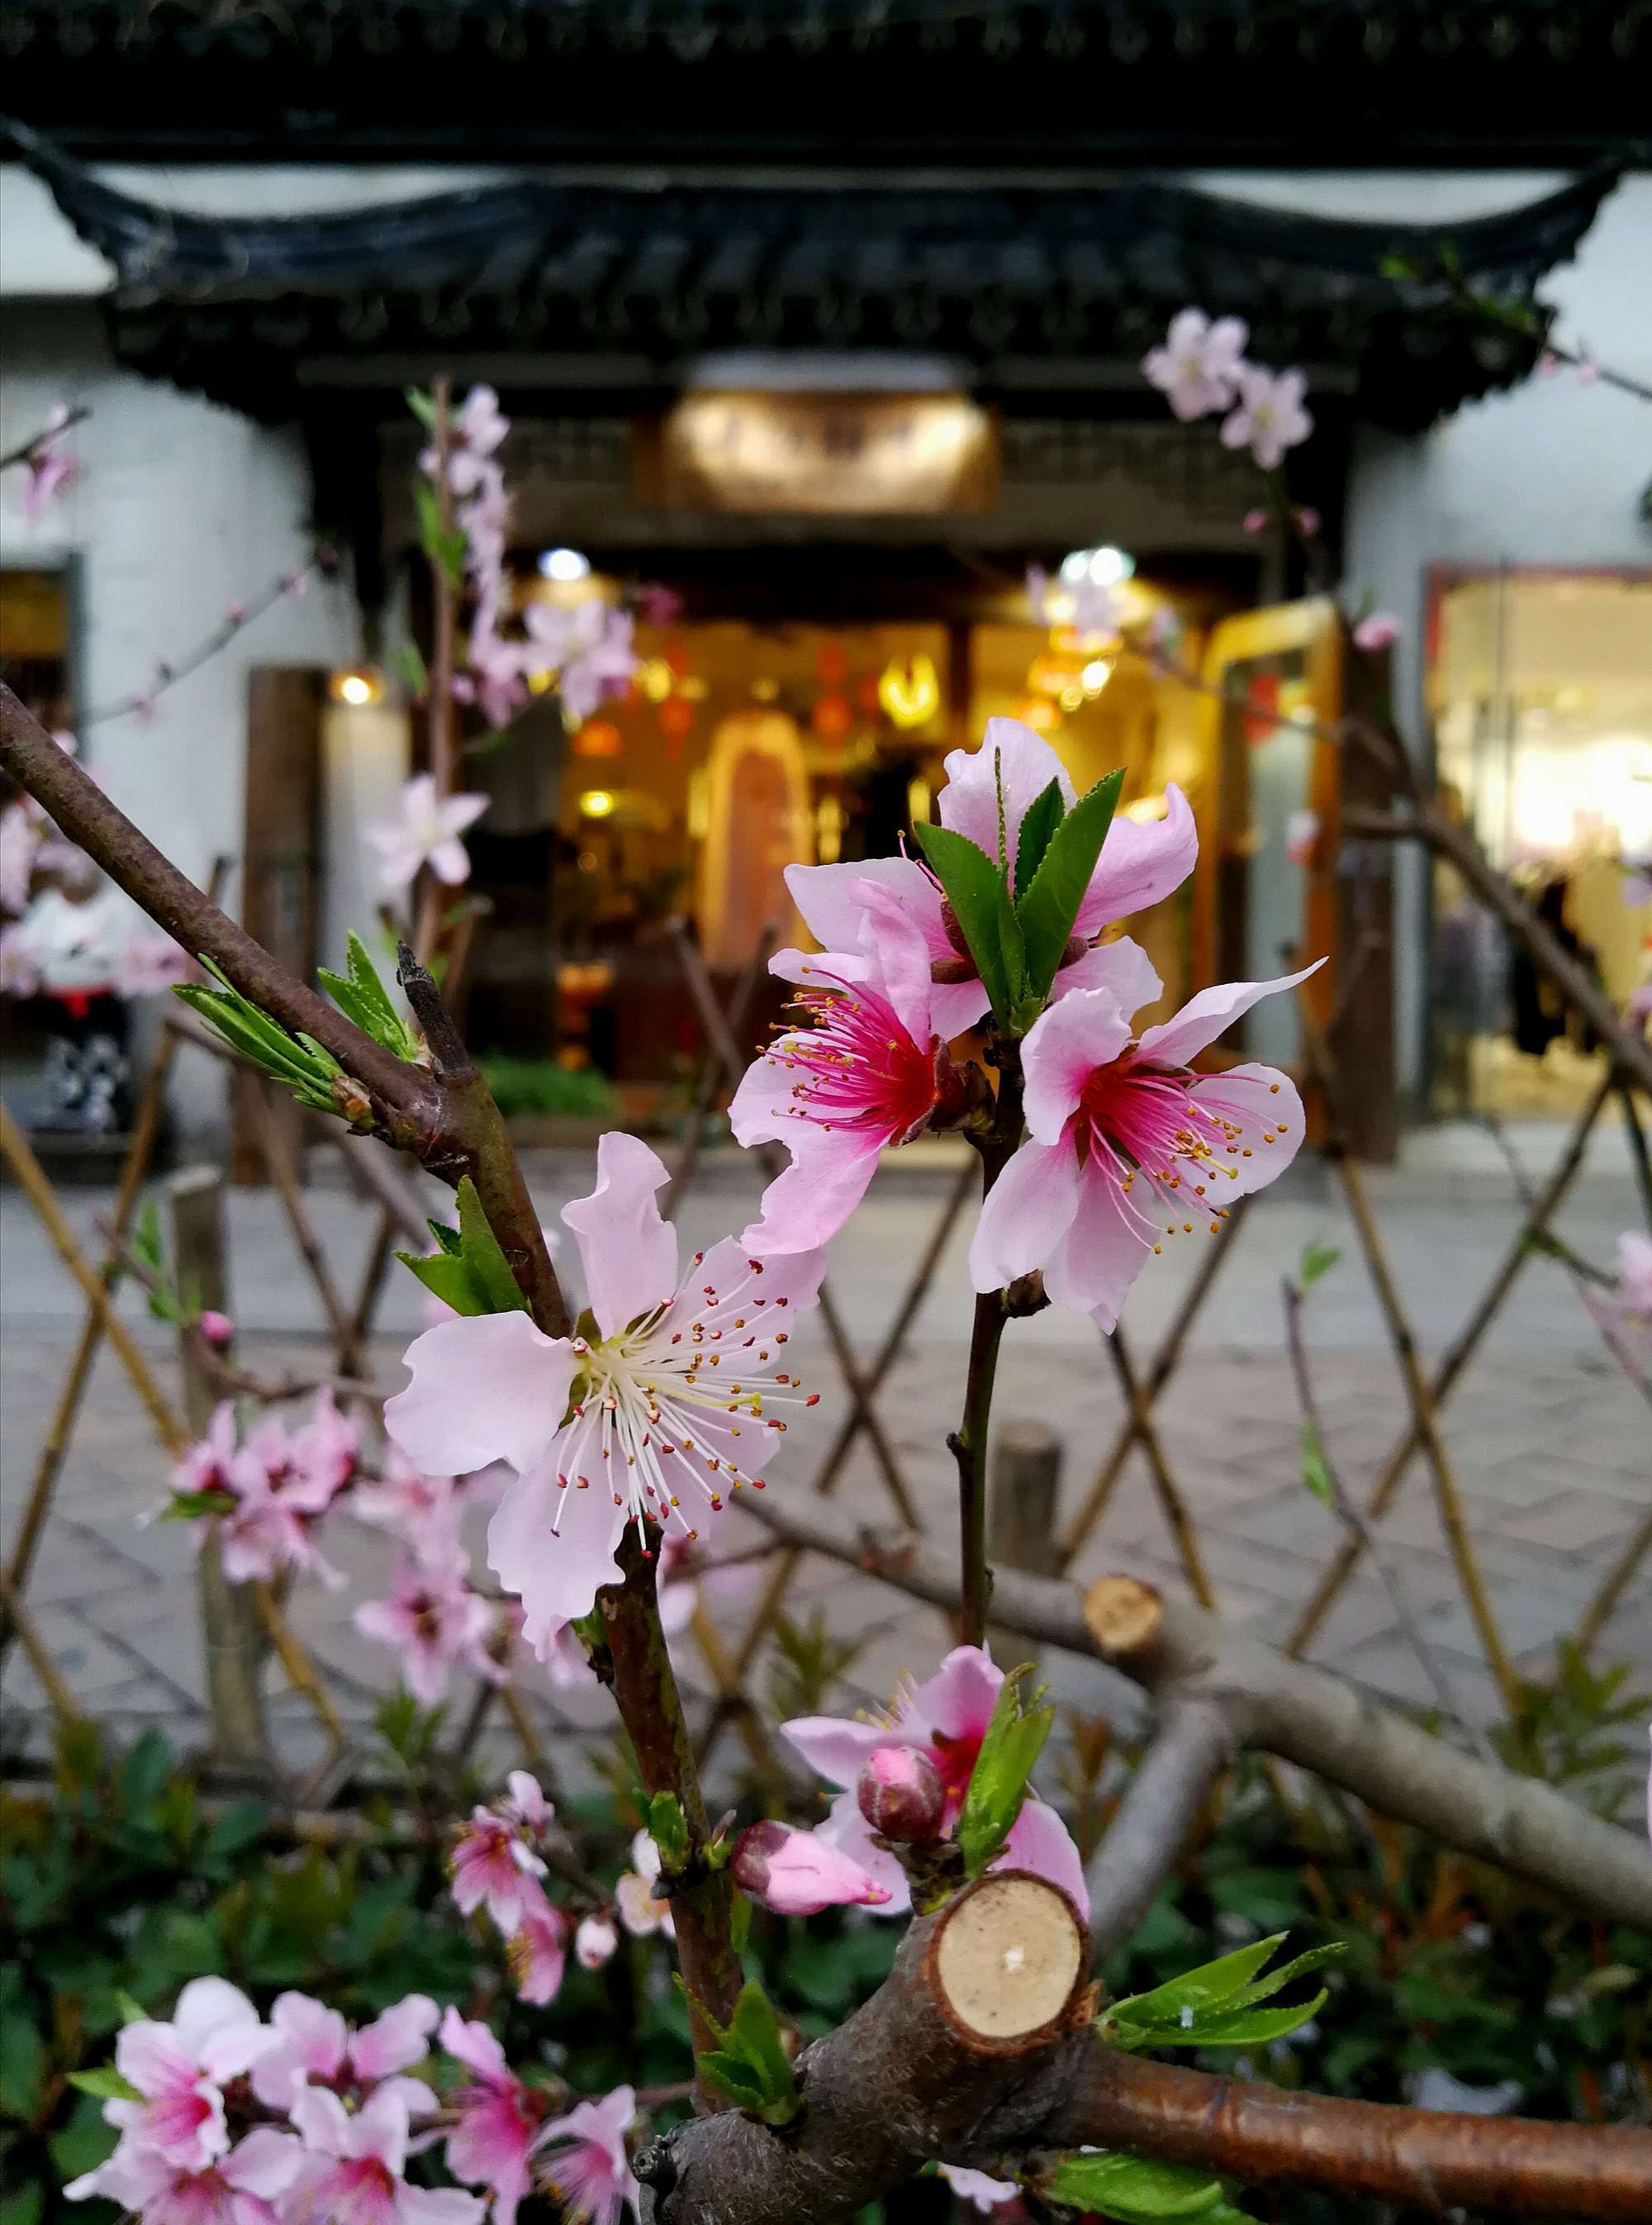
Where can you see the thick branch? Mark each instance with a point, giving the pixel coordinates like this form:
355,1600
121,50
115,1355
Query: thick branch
172,900
1193,1743
1285,1708
1436,2162
937,2065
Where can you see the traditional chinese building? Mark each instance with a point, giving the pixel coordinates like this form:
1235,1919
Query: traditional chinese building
827,316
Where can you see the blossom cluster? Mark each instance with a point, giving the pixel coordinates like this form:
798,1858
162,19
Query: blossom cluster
586,650
266,1489
226,2120
677,1385
1202,369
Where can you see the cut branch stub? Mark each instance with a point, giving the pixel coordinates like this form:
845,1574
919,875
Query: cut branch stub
1004,1962
1123,1614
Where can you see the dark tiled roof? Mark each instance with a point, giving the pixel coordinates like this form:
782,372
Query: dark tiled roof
1537,80
985,273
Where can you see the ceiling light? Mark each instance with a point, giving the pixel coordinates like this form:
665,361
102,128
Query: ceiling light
563,564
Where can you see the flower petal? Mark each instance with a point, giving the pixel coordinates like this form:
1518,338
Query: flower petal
485,1387
1178,1042
1025,1215
630,1255
1039,1840
1065,1045
848,1829
956,1702
1142,861
1105,1250
969,802
397,2040
834,1748
1121,966
804,1207
830,909
1263,1105
554,1548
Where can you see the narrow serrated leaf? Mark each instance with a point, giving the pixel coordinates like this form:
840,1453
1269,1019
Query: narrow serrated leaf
446,1236
448,1279
422,405
1135,2190
1049,905
1317,1260
1210,1985
997,1786
105,2083
189,1506
489,1269
1044,815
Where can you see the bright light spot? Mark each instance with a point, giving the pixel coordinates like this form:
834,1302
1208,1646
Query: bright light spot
1071,699
597,802
563,564
1110,568
352,688
1095,675
1074,566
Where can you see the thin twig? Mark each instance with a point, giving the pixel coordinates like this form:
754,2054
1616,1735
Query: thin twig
1349,1514
26,450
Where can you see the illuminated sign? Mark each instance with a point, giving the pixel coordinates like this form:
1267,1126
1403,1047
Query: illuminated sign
891,455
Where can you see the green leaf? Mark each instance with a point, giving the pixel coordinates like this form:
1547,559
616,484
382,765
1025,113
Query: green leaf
1219,2004
489,1268
298,1062
750,2065
106,2083
1316,1476
1136,2192
980,900
1047,906
422,405
447,1237
448,1279
362,997
131,2012
410,668
997,1786
1044,815
146,1237
22,2067
1317,1260
238,1827
188,1505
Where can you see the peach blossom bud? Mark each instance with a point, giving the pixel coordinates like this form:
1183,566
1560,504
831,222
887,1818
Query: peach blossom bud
798,1872
218,1328
900,1794
594,1942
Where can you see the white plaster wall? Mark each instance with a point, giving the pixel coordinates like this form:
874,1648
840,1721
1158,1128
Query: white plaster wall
182,509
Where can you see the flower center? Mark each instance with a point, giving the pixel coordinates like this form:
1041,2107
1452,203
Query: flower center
858,1067
665,1403
1154,1129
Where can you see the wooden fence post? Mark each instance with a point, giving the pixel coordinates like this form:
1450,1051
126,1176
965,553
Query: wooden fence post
232,1632
1026,1483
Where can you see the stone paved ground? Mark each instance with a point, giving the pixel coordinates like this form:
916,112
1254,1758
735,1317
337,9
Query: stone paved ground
1552,1449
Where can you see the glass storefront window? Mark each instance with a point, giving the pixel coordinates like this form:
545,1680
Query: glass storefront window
1540,693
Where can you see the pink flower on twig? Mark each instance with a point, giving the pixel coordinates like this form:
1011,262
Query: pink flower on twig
316,2046
1269,417
799,1872
244,2187
641,1910
538,1951
425,832
180,2069
1199,364
435,1622
656,1417
946,1721
590,2170
500,2121
1126,1144
1380,630
355,2163
493,1867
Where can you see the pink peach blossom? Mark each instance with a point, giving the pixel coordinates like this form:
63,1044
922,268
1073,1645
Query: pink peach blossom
977,2189
435,1621
493,1866
676,1398
315,2045
538,1949
1199,364
244,2187
425,831
946,1719
798,1872
642,1910
590,2170
180,2069
1110,1114
500,2121
1141,863
1379,630
1269,417
354,2165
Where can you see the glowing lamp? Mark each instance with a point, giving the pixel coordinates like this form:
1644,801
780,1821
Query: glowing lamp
564,564
595,803
357,688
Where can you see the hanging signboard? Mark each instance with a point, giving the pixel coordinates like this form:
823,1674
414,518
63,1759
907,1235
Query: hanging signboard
824,455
